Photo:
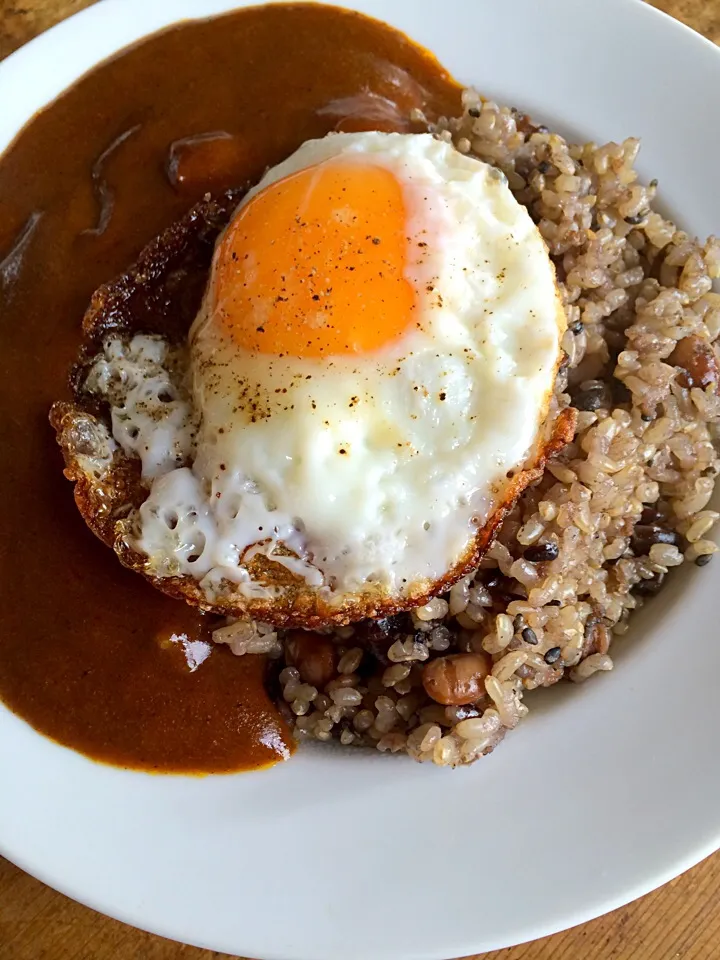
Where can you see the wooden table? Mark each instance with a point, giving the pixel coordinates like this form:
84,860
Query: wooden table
679,922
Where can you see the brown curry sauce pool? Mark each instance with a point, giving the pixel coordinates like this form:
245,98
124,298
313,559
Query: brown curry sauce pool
85,646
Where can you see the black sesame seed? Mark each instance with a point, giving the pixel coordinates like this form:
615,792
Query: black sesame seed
474,112
620,392
647,417
518,623
591,398
638,218
703,560
552,655
543,129
493,578
553,603
544,166
648,588
645,535
540,552
577,327
529,636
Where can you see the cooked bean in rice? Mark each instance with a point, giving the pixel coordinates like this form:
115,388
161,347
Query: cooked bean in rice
622,505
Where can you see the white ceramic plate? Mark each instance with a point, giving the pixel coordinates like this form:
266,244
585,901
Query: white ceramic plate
602,794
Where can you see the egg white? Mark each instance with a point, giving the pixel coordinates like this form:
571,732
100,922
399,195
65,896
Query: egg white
376,471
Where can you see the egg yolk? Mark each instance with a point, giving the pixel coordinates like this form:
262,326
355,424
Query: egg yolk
314,265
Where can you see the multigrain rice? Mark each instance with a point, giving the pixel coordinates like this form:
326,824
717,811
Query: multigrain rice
622,505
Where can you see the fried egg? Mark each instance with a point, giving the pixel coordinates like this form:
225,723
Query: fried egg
369,374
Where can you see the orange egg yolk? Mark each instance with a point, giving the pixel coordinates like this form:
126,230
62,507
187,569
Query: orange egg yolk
314,265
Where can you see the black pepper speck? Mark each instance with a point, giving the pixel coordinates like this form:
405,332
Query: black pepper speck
540,552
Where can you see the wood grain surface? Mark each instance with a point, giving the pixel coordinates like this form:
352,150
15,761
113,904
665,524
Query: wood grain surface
679,922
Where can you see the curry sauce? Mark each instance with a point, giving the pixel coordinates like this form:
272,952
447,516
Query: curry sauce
90,654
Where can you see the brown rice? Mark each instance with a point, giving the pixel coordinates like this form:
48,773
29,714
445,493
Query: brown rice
623,504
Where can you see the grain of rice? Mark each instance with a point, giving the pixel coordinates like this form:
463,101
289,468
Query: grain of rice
363,720
702,525
350,661
530,531
434,610
403,686
288,674
434,713
346,697
665,555
440,638
398,671
459,596
506,667
591,665
446,752
344,680
471,617
547,510
479,727
407,705
408,650
305,692
392,742
701,548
